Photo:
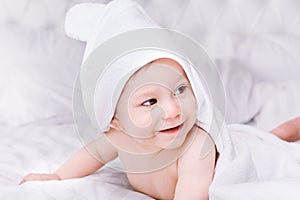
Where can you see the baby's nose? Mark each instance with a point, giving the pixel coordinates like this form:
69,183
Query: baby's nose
172,108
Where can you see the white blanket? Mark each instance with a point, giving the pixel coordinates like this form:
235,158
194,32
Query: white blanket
255,165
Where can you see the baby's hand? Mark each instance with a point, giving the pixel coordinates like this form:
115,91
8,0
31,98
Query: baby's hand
39,177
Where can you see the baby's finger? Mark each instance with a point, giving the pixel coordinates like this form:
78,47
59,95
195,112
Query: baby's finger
22,181
28,177
25,179
35,177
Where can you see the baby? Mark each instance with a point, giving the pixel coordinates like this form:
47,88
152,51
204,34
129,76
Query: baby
160,153
159,150
153,132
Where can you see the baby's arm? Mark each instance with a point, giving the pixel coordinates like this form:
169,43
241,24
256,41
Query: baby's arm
85,162
195,172
289,131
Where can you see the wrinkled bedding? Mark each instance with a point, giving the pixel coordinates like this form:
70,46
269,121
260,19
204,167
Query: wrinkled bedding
42,148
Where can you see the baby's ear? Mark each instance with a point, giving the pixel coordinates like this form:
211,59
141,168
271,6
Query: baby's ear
114,123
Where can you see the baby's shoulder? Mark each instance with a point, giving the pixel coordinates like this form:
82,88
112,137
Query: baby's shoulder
198,135
119,140
200,144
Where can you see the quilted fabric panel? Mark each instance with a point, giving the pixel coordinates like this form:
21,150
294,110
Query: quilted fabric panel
39,15
261,35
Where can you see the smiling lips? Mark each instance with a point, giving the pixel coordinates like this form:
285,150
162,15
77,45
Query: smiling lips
171,130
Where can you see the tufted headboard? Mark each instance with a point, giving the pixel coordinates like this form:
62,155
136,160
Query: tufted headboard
262,36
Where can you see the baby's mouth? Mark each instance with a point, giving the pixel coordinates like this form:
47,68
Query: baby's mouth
171,130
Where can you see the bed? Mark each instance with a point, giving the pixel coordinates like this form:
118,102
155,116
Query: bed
255,45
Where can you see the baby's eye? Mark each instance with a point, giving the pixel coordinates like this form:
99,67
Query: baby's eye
180,89
149,102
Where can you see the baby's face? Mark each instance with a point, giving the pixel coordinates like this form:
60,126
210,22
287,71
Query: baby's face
157,106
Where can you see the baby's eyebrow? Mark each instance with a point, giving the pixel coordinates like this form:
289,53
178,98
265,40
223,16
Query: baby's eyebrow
181,78
143,94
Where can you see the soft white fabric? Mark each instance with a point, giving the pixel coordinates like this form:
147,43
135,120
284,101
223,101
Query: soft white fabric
41,148
99,22
38,70
83,15
262,36
282,103
245,95
254,164
38,62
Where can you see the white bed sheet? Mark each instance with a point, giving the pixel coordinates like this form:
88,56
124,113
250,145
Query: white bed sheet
42,148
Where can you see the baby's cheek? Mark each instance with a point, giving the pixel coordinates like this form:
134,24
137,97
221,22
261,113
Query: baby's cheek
189,105
148,119
140,119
